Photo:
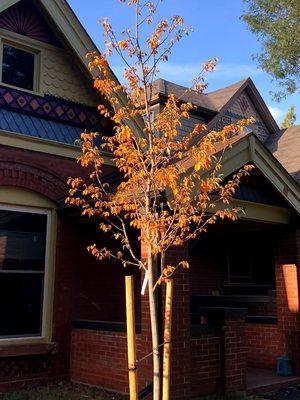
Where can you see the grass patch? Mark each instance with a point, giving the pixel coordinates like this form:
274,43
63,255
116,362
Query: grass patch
66,391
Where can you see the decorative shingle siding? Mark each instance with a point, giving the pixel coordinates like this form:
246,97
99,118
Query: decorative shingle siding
61,77
187,124
244,108
59,74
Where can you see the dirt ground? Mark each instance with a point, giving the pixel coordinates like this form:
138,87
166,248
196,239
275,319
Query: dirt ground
66,391
291,393
69,391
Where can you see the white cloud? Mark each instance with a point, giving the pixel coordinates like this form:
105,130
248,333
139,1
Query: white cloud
232,70
185,73
276,112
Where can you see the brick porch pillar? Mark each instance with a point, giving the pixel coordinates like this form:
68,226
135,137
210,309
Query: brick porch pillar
287,259
234,350
181,357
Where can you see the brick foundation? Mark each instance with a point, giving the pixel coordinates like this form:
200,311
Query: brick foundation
100,358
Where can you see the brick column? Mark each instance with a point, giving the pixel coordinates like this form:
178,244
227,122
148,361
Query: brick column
234,350
180,367
287,259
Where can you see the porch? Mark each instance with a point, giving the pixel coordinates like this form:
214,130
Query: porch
227,334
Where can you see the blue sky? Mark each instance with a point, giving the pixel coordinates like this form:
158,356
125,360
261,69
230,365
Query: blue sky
217,32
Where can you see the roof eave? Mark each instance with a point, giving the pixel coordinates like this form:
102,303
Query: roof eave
6,4
161,98
250,149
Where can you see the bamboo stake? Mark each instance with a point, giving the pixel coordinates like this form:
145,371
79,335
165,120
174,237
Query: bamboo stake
167,341
131,348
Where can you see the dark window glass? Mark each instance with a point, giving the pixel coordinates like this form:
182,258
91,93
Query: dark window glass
251,260
22,269
240,263
18,67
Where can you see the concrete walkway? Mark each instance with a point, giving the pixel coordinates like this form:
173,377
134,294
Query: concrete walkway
263,380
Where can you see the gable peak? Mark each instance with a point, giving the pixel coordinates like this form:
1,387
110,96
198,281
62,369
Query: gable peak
25,18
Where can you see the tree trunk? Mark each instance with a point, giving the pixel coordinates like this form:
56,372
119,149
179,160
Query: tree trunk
154,329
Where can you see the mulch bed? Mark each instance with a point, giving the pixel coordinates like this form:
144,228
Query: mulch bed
62,391
290,393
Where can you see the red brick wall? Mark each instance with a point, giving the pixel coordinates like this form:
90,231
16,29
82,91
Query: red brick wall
263,344
181,356
44,173
83,289
96,288
202,259
100,358
234,354
205,365
287,284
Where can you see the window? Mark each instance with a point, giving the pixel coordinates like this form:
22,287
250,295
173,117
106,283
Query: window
23,268
240,265
18,67
251,260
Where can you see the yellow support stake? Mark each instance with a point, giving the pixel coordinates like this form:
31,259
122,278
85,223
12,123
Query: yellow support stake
131,347
167,341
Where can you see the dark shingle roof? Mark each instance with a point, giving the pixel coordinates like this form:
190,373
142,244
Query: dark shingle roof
212,101
38,127
161,86
285,146
221,97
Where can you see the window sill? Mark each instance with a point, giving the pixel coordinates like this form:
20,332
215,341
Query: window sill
14,349
34,92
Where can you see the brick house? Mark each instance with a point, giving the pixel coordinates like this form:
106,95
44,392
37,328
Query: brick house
61,313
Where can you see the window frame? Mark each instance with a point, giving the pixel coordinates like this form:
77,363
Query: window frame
37,63
42,206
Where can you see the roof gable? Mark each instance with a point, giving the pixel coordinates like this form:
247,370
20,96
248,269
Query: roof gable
249,149
221,97
57,75
226,98
219,102
279,188
243,107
